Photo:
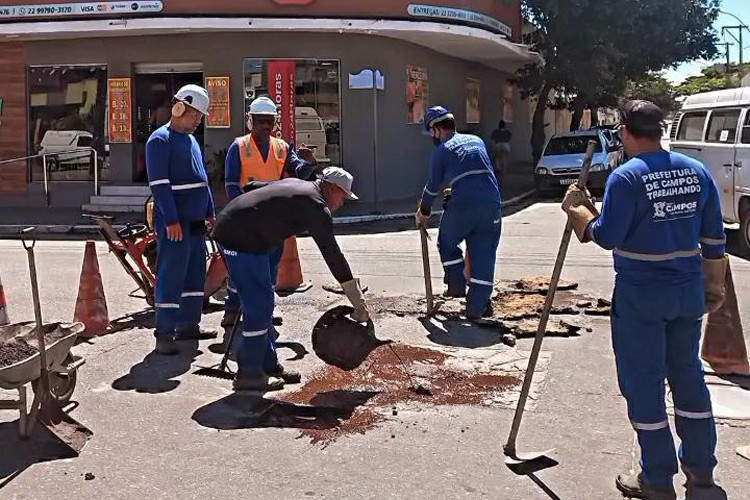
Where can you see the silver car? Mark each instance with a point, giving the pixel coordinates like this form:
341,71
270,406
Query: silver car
561,163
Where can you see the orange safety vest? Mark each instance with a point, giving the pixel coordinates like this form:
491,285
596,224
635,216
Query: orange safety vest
253,166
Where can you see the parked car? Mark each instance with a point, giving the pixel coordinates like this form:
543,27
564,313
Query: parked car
561,162
311,132
69,147
714,128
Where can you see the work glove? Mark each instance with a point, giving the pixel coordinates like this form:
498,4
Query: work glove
581,211
714,273
354,293
421,218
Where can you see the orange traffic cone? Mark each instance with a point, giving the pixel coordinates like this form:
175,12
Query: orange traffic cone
91,306
724,343
289,279
3,306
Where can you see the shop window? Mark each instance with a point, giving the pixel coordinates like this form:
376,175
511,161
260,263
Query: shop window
67,111
317,101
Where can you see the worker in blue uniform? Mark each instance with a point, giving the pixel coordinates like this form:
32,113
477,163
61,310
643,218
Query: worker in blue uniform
254,224
183,207
662,218
260,156
473,214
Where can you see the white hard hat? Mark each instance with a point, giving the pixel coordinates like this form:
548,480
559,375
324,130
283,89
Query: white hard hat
263,106
340,177
194,96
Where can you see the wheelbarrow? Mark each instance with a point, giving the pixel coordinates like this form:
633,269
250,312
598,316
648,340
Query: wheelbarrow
134,246
62,365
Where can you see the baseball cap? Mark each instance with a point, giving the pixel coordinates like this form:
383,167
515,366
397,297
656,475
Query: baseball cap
642,117
340,177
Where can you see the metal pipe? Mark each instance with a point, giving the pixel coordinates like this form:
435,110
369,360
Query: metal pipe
96,173
46,184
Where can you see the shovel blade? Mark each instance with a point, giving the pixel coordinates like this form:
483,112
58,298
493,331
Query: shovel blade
68,430
530,462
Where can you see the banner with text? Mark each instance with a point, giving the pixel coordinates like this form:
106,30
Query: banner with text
281,88
120,111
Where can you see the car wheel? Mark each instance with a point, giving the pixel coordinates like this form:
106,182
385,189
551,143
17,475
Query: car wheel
745,230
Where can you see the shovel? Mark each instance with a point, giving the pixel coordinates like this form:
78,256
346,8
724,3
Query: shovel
223,372
530,462
68,430
426,266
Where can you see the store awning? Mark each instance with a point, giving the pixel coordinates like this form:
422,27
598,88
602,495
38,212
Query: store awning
463,42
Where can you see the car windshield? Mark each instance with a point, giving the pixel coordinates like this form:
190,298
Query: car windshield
571,145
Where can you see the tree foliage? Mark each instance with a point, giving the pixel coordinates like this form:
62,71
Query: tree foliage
593,48
714,77
653,87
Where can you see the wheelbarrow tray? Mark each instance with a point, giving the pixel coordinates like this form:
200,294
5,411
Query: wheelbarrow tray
29,369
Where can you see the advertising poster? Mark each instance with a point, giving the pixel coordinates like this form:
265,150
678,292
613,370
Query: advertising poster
508,103
218,107
281,88
417,93
473,90
120,111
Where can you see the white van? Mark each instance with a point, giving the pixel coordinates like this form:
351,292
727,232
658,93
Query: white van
311,132
70,147
715,129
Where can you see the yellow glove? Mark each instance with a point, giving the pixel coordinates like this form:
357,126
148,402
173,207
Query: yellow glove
714,274
581,211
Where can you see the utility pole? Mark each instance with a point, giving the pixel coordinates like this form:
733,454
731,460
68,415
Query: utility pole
726,46
740,28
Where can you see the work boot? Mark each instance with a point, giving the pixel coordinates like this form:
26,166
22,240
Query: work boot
701,486
256,381
287,375
230,316
633,486
195,332
454,294
166,347
488,312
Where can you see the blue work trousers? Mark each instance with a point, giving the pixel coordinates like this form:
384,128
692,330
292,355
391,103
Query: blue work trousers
656,331
480,227
254,276
180,280
233,299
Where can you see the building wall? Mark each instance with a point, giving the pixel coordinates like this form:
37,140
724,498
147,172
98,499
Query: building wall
403,151
13,118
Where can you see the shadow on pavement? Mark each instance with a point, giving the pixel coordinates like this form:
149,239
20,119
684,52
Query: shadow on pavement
456,333
155,374
42,446
546,489
246,411
142,319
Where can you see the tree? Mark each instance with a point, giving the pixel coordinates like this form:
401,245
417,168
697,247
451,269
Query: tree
716,77
592,48
655,88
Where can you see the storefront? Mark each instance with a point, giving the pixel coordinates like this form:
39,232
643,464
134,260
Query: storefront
86,90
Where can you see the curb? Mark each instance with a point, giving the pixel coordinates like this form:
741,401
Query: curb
62,229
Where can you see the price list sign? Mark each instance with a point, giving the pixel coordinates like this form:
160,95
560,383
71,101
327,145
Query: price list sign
120,111
218,107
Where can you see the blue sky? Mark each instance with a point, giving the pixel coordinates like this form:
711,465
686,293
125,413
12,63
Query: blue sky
740,8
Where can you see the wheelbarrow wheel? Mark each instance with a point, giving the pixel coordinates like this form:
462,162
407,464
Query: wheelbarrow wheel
62,385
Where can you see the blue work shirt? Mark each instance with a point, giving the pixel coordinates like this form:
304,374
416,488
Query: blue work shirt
462,163
661,211
177,177
294,166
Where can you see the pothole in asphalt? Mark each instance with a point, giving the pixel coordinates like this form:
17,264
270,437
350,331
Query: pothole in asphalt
353,402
